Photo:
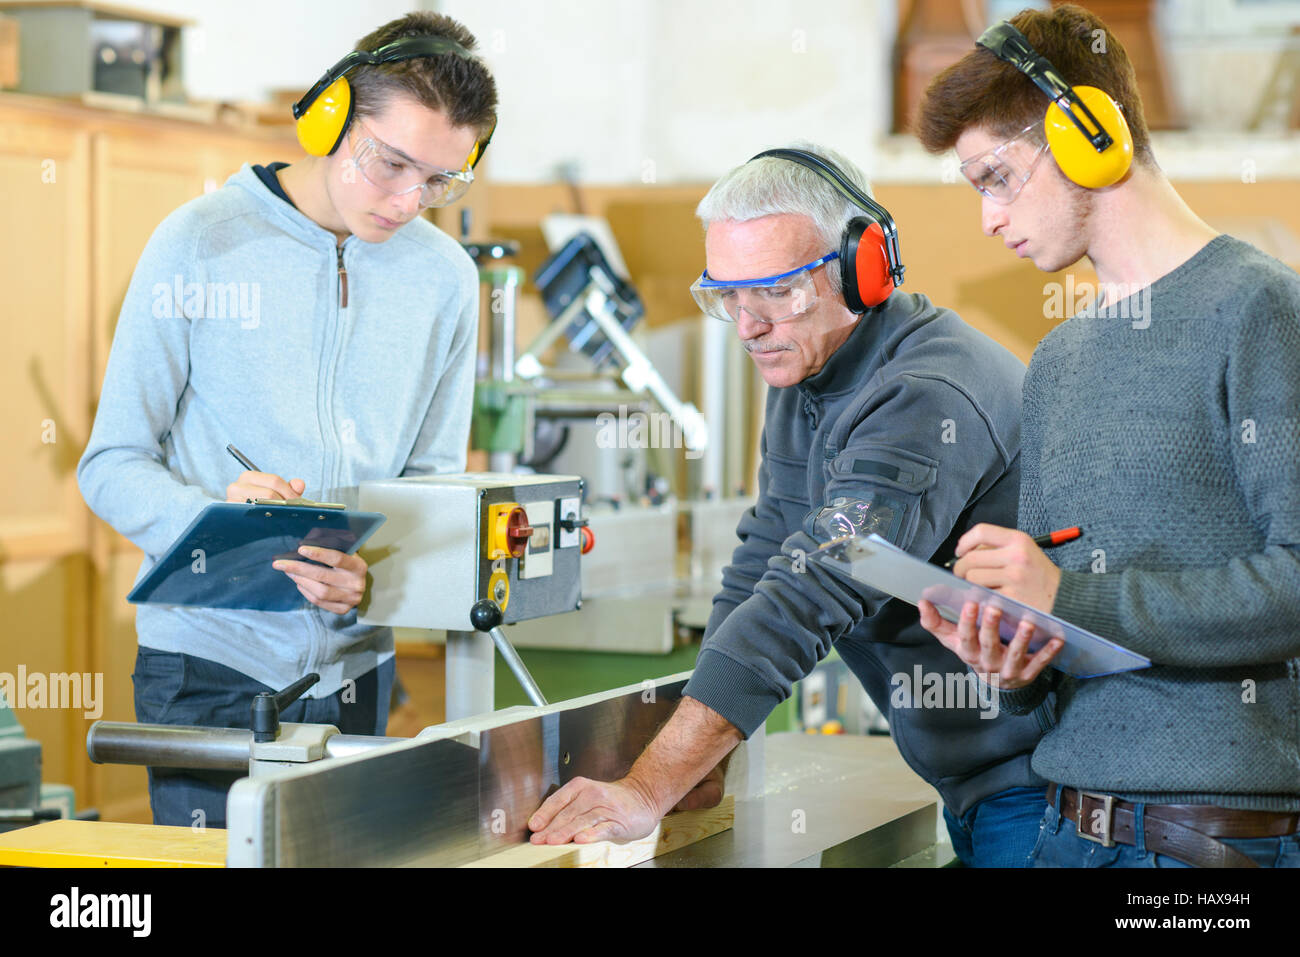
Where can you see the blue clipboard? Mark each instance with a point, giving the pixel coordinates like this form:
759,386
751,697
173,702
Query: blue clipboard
223,560
885,567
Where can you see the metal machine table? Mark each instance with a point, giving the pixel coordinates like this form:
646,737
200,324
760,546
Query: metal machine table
828,801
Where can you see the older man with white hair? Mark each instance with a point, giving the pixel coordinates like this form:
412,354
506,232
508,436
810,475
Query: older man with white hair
885,413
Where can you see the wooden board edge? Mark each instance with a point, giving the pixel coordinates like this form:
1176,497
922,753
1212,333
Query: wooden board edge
675,831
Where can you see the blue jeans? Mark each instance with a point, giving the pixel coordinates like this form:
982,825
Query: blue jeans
182,689
1059,845
1000,830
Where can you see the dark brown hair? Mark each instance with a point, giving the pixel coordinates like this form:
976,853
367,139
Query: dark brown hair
981,90
461,88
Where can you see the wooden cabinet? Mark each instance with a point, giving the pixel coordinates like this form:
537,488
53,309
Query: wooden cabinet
44,272
81,192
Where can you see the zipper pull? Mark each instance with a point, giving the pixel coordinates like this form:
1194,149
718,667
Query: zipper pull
343,280
811,409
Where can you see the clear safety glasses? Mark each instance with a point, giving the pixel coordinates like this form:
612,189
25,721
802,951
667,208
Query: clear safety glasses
395,173
769,299
1001,173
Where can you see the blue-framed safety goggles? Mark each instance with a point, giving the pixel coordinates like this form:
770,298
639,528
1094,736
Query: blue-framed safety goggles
768,299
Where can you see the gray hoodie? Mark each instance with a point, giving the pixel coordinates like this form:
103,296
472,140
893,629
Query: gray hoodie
233,330
918,415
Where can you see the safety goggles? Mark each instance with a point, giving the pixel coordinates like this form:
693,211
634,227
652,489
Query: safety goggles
1000,173
769,299
393,172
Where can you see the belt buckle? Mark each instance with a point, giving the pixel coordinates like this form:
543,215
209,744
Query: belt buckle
1108,807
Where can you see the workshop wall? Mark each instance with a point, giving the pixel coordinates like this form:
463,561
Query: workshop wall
697,84
243,49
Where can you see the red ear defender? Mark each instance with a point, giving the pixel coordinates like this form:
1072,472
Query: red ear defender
870,262
864,263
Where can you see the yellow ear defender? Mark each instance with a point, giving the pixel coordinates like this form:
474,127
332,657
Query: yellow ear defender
325,110
322,125
1086,130
1073,151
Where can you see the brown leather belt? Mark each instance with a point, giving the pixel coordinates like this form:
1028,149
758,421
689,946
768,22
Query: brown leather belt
1185,832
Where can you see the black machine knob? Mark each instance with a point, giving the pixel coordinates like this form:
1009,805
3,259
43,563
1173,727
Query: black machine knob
485,615
266,708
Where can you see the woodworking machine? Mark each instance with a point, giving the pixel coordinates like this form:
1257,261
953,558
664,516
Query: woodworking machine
455,793
458,552
469,553
23,798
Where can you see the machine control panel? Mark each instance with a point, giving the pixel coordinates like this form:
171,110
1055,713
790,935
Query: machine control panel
452,540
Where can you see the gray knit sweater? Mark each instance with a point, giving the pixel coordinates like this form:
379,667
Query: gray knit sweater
1167,426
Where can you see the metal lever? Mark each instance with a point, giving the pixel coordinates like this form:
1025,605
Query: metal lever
28,815
178,746
266,708
571,522
486,616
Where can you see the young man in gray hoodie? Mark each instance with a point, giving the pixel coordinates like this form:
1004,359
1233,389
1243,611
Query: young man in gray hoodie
350,357
1162,421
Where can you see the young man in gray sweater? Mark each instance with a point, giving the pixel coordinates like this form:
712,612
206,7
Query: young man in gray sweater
350,357
1162,420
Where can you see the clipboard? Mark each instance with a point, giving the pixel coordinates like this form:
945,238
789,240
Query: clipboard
223,560
885,567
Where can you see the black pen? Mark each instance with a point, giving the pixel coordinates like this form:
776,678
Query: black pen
243,459
1050,540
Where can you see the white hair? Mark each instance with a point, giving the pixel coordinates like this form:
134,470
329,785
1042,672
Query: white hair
771,185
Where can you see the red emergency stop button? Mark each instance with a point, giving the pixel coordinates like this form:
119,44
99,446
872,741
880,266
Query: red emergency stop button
588,539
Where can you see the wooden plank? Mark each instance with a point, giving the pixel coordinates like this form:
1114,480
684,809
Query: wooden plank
106,844
674,831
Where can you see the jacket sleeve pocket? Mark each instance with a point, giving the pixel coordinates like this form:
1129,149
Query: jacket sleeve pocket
873,489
